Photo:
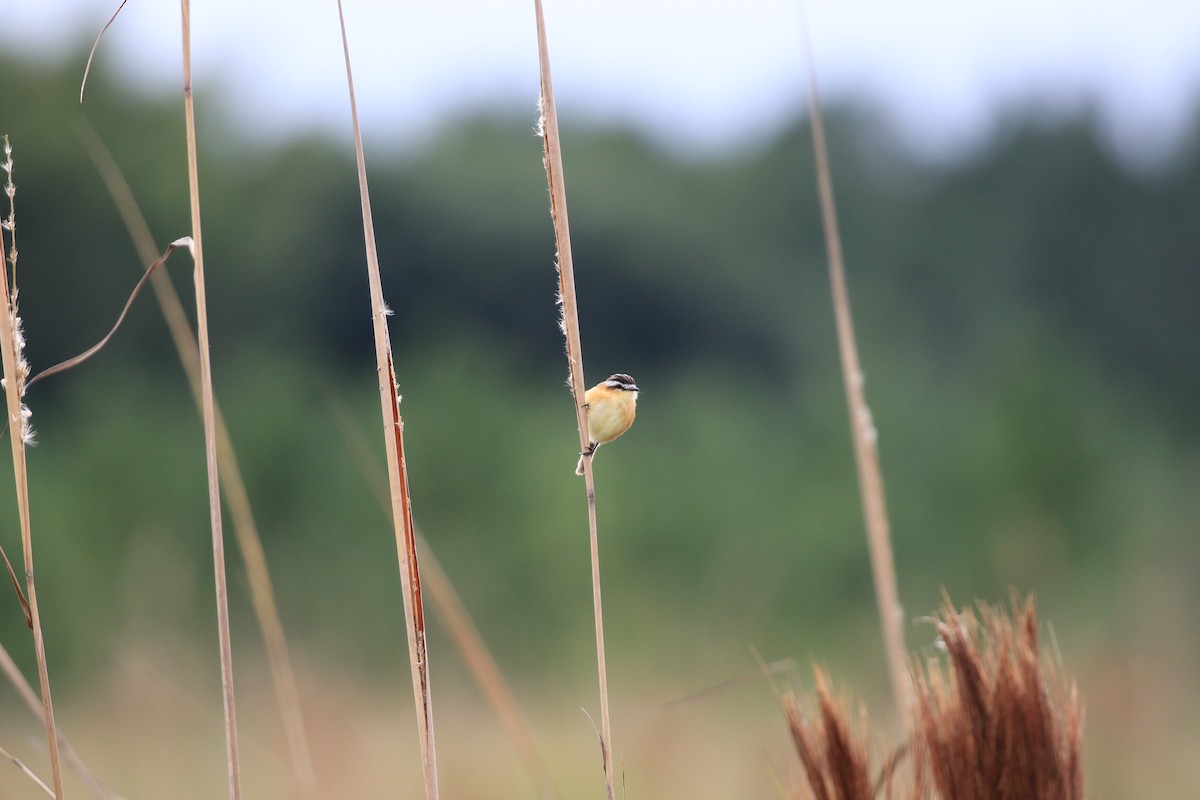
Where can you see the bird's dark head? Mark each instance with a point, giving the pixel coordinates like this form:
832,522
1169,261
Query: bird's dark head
622,382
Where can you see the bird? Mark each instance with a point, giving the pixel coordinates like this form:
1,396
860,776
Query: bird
611,405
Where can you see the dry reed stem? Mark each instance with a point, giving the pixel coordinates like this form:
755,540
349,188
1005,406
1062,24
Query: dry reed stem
6,664
209,416
548,125
455,617
393,436
262,593
862,428
15,371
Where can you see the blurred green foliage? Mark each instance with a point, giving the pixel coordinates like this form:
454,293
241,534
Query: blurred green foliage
1027,321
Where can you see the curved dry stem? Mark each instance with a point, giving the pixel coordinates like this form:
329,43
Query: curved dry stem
63,366
88,66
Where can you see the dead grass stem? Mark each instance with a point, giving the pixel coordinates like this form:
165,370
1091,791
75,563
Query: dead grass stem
16,372
393,436
208,412
548,125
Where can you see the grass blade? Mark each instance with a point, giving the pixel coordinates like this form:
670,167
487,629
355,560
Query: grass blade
406,547
209,415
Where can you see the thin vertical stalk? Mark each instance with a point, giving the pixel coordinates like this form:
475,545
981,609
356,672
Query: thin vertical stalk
570,325
14,376
209,415
393,436
262,593
862,428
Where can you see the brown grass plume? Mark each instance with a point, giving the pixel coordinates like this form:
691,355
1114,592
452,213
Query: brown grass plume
993,720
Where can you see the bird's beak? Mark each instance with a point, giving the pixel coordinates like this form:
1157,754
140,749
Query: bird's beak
636,389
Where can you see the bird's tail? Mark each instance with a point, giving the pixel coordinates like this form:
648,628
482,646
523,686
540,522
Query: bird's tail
579,466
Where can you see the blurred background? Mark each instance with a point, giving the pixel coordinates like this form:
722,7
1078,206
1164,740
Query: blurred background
1019,193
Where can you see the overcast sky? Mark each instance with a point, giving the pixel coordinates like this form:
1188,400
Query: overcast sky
703,72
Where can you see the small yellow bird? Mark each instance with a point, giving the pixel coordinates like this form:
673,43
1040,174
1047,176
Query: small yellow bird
611,405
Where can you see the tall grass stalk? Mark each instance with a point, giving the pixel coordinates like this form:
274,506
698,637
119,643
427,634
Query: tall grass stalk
548,125
393,437
7,666
12,343
209,415
262,593
862,427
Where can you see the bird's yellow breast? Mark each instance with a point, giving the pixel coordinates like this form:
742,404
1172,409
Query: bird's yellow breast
610,412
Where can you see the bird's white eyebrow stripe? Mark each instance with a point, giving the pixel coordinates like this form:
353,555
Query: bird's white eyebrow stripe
622,381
